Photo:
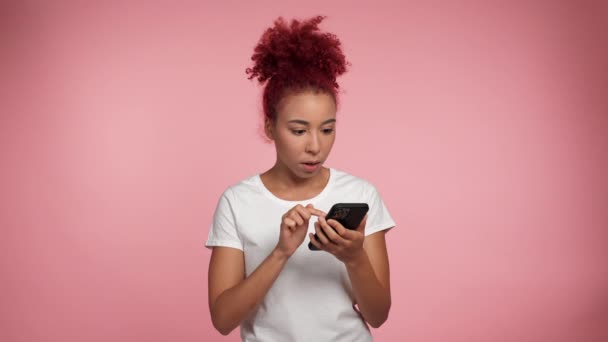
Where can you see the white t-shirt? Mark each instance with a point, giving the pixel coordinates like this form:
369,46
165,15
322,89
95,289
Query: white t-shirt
312,298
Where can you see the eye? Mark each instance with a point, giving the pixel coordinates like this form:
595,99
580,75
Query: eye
298,131
328,130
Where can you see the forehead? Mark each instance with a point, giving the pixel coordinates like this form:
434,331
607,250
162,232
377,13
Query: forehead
314,107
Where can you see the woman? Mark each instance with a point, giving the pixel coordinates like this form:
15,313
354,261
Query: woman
262,275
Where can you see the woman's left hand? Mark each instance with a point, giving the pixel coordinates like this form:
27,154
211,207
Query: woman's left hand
344,244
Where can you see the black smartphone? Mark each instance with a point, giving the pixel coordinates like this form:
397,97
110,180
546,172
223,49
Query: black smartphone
349,215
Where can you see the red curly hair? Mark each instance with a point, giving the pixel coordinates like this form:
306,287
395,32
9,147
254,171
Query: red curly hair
296,56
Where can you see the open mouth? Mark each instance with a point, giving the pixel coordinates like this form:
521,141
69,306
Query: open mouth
311,166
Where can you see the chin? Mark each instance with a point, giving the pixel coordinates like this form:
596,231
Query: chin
306,174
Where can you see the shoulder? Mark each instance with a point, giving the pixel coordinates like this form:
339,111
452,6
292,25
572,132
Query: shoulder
242,189
344,179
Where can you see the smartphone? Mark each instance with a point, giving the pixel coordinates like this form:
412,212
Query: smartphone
349,215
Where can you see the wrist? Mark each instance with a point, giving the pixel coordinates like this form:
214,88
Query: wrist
356,260
279,255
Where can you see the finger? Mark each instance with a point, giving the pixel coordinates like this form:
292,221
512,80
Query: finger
303,212
314,241
347,234
320,235
294,215
330,232
289,223
337,227
314,211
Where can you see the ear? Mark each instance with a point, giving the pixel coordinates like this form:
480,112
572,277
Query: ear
269,128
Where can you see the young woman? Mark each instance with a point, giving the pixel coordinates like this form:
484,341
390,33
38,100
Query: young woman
262,275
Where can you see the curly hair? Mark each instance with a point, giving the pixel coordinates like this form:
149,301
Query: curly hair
296,56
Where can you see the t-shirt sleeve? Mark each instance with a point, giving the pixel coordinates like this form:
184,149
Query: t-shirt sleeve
378,217
223,231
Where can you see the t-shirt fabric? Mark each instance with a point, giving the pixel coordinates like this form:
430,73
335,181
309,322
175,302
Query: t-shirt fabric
312,298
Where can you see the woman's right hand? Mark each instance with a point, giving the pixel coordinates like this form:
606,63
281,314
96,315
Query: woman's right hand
294,226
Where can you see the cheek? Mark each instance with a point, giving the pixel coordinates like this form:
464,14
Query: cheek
329,140
288,143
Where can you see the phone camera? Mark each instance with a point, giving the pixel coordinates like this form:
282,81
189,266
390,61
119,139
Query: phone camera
342,213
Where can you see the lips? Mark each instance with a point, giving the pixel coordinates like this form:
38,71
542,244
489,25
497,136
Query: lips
311,166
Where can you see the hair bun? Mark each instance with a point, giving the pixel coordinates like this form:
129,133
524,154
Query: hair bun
296,50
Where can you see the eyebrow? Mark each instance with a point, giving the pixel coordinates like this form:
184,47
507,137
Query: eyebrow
304,122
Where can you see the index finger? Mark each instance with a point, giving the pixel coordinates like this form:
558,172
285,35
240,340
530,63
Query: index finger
314,211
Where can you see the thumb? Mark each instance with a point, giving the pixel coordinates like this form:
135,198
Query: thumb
361,227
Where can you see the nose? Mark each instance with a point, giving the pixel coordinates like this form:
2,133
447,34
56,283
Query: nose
313,145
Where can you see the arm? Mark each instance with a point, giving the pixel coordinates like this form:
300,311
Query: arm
366,261
232,297
370,278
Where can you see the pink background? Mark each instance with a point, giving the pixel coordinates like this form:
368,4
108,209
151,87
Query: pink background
484,127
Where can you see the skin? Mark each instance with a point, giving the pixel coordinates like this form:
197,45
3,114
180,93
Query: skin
304,130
